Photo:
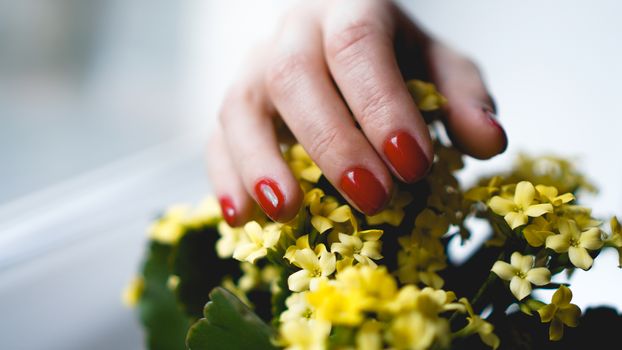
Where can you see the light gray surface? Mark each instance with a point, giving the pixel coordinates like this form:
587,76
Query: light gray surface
63,290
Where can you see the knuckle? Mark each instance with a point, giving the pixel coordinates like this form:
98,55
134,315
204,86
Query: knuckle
285,72
323,142
240,94
375,111
350,40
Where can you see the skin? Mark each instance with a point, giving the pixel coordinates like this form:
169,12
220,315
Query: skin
333,64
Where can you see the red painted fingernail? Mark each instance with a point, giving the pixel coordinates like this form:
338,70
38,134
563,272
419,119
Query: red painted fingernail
364,189
227,209
269,196
491,117
406,156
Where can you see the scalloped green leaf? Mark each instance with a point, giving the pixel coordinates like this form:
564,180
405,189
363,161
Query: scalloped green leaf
229,325
164,321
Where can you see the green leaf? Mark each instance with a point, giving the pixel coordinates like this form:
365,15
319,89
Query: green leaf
229,325
195,262
164,322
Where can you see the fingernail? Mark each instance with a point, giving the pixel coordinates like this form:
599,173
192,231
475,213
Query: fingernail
406,156
269,196
491,117
227,209
364,189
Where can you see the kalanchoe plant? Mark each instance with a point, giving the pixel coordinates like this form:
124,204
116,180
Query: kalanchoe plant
335,279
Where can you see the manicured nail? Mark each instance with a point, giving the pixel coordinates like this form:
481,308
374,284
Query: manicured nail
491,117
269,196
227,209
406,156
364,189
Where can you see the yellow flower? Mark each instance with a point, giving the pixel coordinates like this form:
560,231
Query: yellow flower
325,210
478,325
297,308
304,334
576,242
230,238
362,246
250,277
521,274
517,211
206,213
369,336
560,312
549,194
315,268
259,241
429,228
420,264
425,95
376,283
133,291
415,331
615,238
537,232
338,304
394,212
172,282
302,242
302,166
169,228
483,193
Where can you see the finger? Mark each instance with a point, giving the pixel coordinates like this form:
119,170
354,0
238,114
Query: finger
235,203
471,118
252,144
358,37
303,93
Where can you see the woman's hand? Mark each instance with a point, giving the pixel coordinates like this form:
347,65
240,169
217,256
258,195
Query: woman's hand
331,65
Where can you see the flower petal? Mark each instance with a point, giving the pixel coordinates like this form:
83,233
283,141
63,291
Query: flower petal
556,331
341,214
515,219
254,231
538,210
547,312
559,243
299,281
562,296
501,206
580,258
504,270
306,259
569,315
321,224
539,276
525,192
591,239
520,287
327,263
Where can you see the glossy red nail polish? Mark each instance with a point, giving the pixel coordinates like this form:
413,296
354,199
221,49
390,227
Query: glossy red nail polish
228,209
406,156
491,117
269,196
364,189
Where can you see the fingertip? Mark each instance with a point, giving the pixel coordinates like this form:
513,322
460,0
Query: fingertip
280,200
476,130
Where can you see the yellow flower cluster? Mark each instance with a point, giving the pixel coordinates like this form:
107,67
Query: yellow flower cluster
328,264
367,304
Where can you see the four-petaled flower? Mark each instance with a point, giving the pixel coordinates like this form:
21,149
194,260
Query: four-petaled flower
315,267
259,241
362,246
576,242
560,312
517,210
521,274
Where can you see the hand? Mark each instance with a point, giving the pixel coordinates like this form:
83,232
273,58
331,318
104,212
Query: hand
333,63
